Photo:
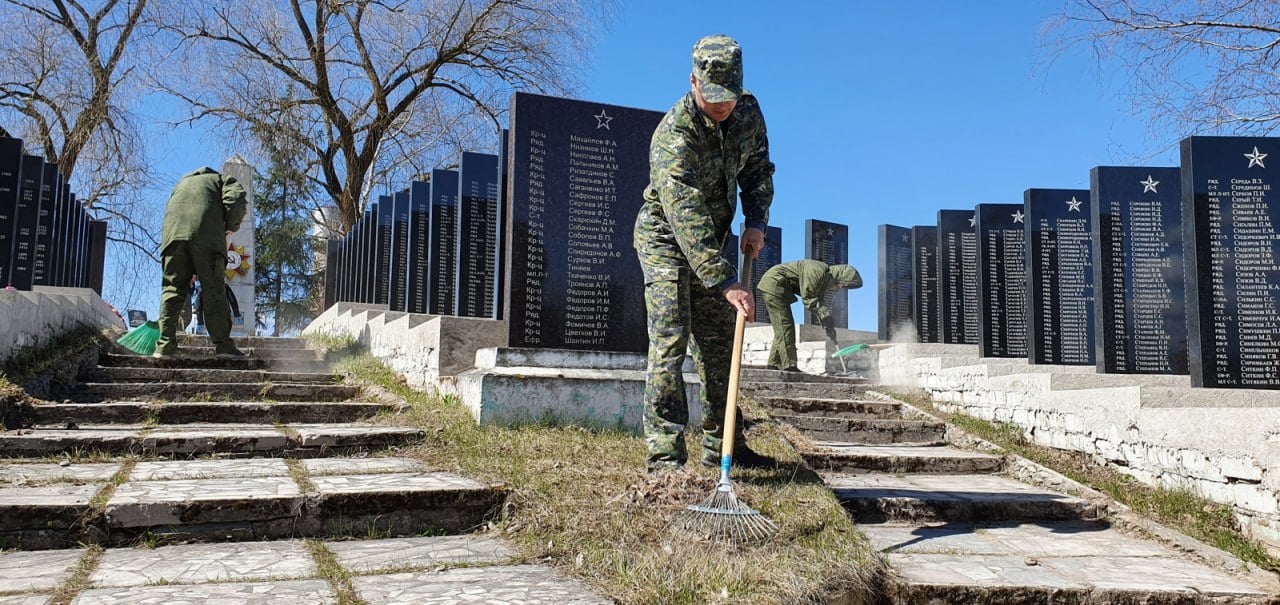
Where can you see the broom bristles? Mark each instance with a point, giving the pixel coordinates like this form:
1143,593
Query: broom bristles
142,339
722,517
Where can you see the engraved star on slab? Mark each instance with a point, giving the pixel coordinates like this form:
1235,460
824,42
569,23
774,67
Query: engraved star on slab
1149,185
1017,216
602,120
1255,158
973,220
1073,205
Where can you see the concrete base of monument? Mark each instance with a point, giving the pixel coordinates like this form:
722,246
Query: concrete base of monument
596,389
35,317
423,348
1221,444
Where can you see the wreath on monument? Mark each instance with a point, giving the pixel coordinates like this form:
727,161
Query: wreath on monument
237,261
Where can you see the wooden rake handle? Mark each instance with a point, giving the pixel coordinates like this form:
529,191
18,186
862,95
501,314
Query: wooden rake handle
735,374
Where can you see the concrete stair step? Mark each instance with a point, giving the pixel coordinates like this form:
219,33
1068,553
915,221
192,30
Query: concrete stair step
194,354
817,390
196,440
252,342
850,458
831,408
766,375
187,412
238,500
247,363
111,374
965,498
1049,563
211,391
867,432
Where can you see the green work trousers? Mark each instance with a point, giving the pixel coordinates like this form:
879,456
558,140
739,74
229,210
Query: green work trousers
179,261
782,355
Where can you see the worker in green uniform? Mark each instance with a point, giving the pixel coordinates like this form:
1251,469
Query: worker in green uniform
204,208
812,281
709,146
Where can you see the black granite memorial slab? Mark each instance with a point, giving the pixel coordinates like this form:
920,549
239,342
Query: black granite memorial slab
80,249
500,276
419,248
1060,276
386,228
365,261
895,291
478,236
1230,214
97,254
1002,280
769,256
42,264
62,212
331,251
957,277
10,173
577,178
1140,322
26,215
398,272
442,262
924,278
829,243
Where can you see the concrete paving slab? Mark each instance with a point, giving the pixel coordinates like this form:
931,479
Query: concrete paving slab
1071,540
403,554
208,469
856,430
848,457
41,570
45,507
524,584
41,442
203,563
986,570
361,466
310,592
203,439
258,412
356,435
1149,574
831,408
25,600
930,539
194,501
878,497
45,473
397,482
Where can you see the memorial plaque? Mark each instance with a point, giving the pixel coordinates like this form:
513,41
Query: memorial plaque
398,275
500,288
331,253
924,276
344,268
419,237
1002,280
896,294
478,236
61,262
97,254
769,256
1140,322
365,259
442,264
26,215
1060,276
386,227
829,243
577,181
1230,213
10,172
958,277
42,257
79,247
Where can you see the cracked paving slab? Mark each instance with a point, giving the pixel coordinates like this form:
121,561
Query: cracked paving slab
393,482
31,571
46,473
208,469
524,584
301,592
203,563
193,439
361,466
183,501
398,554
25,600
47,506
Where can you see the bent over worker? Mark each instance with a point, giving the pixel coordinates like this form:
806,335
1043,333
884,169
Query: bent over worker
811,280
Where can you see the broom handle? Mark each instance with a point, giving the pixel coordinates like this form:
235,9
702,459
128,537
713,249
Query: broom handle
735,371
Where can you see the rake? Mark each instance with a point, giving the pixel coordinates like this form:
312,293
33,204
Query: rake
722,517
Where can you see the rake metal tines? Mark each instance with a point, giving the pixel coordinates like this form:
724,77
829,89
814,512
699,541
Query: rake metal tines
723,518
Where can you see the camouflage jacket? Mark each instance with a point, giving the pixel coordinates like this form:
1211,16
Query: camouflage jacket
203,207
696,167
810,279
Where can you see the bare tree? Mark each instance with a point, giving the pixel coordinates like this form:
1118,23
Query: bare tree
67,80
1195,66
384,84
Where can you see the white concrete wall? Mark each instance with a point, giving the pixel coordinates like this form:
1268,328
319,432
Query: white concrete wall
29,319
1223,444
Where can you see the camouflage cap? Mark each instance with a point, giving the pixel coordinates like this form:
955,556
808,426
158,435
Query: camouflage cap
717,64
846,276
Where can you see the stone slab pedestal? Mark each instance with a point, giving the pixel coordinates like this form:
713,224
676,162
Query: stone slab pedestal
595,389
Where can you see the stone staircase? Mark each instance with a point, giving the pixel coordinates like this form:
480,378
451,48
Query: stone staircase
241,480
966,526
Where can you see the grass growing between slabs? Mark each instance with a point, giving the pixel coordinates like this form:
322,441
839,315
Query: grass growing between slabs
580,500
1180,509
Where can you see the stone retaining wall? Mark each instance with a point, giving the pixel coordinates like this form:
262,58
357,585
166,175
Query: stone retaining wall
33,318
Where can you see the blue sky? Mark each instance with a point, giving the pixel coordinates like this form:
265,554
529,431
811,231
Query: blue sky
878,111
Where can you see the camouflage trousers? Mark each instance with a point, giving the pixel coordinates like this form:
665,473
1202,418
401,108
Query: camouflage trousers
684,315
782,354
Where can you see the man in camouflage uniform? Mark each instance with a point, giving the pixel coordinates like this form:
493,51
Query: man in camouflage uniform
812,280
203,209
710,144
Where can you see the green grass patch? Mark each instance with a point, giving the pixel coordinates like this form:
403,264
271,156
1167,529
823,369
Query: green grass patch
57,353
334,346
1181,509
581,500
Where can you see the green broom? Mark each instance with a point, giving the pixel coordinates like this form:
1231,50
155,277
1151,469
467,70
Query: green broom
142,339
